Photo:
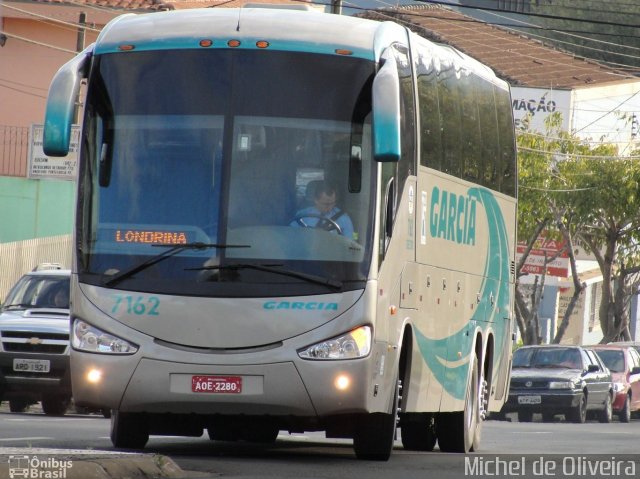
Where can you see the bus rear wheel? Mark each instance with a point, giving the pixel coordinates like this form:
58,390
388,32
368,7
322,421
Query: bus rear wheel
418,432
129,430
460,431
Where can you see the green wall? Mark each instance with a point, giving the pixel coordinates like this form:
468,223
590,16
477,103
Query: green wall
35,208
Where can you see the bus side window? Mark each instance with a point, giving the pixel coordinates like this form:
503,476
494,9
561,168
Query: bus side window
450,119
430,128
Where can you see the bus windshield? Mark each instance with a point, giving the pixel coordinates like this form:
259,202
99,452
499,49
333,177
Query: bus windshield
258,162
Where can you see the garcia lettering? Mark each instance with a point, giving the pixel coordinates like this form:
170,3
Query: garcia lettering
452,217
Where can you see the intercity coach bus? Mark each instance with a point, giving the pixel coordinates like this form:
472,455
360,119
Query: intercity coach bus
211,291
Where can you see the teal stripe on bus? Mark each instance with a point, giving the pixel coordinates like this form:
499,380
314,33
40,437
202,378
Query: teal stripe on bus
437,353
246,44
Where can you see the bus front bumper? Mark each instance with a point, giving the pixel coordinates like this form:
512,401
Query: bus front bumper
156,386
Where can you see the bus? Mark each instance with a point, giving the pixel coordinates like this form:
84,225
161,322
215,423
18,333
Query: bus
211,292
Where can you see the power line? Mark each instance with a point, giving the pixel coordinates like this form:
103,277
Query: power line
498,47
578,155
21,91
539,15
51,19
17,37
617,66
571,33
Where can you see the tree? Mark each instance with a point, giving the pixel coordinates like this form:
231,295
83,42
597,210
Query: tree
542,211
611,209
587,195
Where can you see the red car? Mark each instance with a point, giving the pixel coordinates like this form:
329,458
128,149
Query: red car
624,364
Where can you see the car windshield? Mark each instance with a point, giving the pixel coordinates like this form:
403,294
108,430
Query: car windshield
39,291
613,359
565,358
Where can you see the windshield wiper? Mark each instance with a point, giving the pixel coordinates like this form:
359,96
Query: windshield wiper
20,306
273,268
116,278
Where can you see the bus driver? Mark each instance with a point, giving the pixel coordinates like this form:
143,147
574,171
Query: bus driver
324,213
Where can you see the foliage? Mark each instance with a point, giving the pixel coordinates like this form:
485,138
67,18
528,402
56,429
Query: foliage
587,194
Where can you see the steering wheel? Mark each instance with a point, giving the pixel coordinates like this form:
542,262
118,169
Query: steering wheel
324,223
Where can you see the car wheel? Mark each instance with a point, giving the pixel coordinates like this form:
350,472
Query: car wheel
525,416
605,415
55,405
129,430
579,413
17,405
625,413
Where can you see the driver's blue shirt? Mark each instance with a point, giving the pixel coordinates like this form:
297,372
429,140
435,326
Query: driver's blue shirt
343,221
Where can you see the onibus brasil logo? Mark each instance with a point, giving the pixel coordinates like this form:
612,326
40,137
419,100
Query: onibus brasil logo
33,467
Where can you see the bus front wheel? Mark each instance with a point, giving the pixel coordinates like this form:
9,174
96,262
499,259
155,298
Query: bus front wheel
375,433
129,430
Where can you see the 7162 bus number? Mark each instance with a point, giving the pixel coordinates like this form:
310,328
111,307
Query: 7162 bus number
136,305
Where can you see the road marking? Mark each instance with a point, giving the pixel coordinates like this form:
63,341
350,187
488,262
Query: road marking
34,438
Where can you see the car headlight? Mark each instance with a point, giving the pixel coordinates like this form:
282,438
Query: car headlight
85,337
617,387
561,385
352,345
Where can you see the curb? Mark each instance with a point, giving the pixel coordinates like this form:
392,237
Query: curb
72,464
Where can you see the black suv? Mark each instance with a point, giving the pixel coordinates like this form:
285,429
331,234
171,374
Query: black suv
556,379
34,342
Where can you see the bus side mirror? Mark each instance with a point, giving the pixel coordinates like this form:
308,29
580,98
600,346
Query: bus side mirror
386,112
61,103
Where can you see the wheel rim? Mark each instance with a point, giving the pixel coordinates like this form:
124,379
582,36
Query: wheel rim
472,409
583,409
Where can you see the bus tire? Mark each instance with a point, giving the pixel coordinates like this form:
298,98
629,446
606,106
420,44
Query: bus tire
129,430
375,433
460,431
418,434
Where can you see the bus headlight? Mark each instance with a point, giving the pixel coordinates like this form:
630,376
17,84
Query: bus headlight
352,345
85,337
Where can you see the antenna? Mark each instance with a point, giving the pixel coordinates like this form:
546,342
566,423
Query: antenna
239,15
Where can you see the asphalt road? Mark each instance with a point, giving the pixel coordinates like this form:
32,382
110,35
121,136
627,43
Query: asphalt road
509,449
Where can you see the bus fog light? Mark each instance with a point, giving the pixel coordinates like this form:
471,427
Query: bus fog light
342,382
85,337
94,376
352,345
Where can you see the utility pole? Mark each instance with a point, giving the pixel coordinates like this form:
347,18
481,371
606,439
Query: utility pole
336,7
81,31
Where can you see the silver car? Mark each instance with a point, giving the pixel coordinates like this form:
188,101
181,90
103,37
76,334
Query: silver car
34,342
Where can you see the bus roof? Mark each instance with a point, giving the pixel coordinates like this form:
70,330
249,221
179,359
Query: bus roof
284,30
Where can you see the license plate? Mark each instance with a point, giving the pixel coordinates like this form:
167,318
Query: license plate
32,365
216,384
529,399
